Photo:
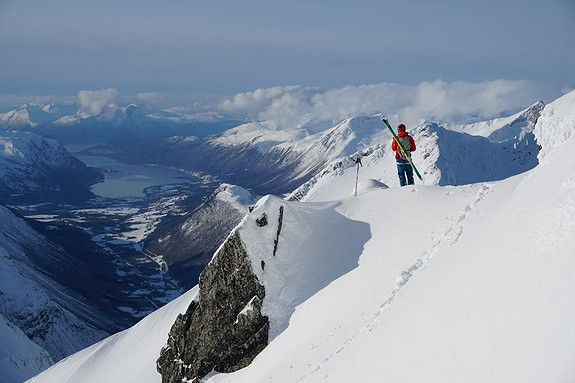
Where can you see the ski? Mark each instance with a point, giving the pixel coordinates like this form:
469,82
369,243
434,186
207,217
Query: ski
402,148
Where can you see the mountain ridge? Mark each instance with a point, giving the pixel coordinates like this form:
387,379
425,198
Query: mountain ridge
398,299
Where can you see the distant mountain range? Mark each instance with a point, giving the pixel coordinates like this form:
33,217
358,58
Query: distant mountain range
69,124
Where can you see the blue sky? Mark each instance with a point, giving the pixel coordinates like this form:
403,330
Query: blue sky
219,48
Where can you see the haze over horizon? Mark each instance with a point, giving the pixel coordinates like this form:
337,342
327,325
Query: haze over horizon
188,51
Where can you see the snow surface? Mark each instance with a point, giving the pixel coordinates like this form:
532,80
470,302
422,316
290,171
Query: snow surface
424,283
236,196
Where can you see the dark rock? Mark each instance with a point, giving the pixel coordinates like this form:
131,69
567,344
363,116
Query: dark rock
262,221
280,222
224,329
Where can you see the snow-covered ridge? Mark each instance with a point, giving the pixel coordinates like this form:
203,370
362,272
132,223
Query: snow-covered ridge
335,169
20,358
501,129
556,124
264,156
437,283
30,163
312,238
443,157
345,137
31,115
28,148
235,195
29,296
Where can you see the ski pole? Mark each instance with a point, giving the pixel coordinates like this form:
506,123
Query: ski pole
401,147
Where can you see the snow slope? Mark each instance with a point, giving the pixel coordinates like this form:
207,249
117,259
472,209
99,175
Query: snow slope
424,283
464,297
33,165
20,357
44,320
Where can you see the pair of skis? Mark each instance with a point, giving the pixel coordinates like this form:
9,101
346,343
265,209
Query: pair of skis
406,155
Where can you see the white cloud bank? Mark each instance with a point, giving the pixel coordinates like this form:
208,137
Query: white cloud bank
93,101
437,101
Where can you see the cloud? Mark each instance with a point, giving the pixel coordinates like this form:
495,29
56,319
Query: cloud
251,104
459,101
451,102
93,101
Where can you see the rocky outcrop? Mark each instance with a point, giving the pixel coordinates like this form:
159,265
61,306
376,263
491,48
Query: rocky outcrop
223,329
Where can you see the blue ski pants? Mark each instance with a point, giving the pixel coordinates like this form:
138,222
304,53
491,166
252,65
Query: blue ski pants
404,169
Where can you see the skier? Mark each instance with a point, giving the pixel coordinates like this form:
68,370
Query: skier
403,167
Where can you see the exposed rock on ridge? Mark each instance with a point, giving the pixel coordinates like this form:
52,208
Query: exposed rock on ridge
224,329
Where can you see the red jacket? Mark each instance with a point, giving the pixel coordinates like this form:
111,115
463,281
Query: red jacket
396,147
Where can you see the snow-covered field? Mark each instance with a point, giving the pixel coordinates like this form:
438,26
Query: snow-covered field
425,283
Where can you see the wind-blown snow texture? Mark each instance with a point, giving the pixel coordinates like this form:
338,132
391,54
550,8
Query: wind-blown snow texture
454,283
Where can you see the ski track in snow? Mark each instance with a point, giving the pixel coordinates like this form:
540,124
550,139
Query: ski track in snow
449,237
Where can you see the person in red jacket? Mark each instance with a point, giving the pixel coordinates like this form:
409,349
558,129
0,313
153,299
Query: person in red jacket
403,166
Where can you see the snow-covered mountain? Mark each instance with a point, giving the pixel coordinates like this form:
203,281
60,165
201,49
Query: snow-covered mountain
72,124
260,156
501,129
29,116
35,167
188,243
20,357
45,320
444,156
423,283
